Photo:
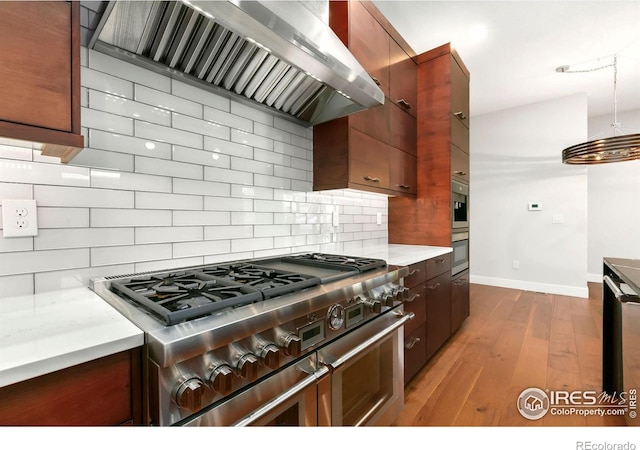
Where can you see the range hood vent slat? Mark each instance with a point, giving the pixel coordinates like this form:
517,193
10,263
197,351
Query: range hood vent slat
250,49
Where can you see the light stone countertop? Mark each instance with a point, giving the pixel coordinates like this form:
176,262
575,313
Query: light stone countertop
46,332
400,254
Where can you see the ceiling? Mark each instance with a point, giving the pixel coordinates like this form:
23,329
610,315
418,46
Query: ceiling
514,63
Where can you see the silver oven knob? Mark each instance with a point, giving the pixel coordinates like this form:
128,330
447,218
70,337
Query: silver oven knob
402,293
388,299
188,394
221,378
248,366
270,356
290,344
375,306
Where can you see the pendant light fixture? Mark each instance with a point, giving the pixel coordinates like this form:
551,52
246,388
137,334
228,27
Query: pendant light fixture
619,147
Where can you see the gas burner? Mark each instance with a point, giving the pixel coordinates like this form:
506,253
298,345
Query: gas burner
329,260
185,295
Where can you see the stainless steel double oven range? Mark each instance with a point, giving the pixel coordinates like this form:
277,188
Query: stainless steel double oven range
308,339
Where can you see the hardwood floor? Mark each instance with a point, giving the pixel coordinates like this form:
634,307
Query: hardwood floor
512,340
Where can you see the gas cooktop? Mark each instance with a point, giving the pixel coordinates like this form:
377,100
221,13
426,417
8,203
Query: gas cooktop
194,292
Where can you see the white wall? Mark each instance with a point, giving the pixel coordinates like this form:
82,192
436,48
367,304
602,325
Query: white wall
614,200
516,160
224,181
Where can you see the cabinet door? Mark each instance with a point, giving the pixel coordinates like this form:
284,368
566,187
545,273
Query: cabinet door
459,299
459,134
403,81
368,160
373,122
459,93
438,312
416,302
459,164
402,172
369,43
415,355
403,132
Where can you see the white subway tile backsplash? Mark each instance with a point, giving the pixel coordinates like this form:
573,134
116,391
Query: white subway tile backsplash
63,217
247,138
228,148
106,256
228,204
157,235
125,107
16,285
168,102
154,166
156,132
100,81
201,157
15,191
100,120
228,232
114,142
82,237
15,152
245,245
82,197
196,187
228,176
192,218
198,95
101,159
152,200
130,218
44,261
228,120
129,181
113,66
200,127
172,175
40,173
189,249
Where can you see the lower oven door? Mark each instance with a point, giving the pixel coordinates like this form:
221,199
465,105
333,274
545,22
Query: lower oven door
365,386
289,397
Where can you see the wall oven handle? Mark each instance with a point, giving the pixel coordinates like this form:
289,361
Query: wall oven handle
404,318
617,292
282,398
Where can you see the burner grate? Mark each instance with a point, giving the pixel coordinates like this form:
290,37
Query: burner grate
328,260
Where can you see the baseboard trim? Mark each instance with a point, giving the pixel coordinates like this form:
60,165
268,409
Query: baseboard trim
594,277
557,289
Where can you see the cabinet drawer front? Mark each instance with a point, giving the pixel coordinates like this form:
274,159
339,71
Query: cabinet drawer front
368,160
417,274
459,164
402,171
415,352
459,93
438,265
459,300
372,122
459,135
417,305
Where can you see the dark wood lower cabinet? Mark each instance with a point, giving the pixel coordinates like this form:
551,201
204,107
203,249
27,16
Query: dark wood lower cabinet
459,299
105,391
415,351
438,312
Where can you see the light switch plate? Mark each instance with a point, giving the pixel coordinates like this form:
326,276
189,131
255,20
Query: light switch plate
19,218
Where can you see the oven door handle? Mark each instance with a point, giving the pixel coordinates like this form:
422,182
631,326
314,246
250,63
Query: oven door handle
282,398
618,294
404,318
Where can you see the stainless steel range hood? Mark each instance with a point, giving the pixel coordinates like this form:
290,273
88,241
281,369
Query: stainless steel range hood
275,53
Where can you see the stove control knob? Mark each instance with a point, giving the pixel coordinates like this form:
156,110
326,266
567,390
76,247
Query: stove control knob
402,293
270,356
220,379
291,344
189,394
375,306
248,366
388,299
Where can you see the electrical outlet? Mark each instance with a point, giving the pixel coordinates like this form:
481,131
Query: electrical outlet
379,218
19,218
516,264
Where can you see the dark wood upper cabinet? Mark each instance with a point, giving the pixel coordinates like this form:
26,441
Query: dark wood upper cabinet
40,75
344,149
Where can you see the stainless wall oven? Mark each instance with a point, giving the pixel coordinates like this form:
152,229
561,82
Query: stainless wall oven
459,205
460,256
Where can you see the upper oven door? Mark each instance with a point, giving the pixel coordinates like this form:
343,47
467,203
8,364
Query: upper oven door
459,205
366,382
